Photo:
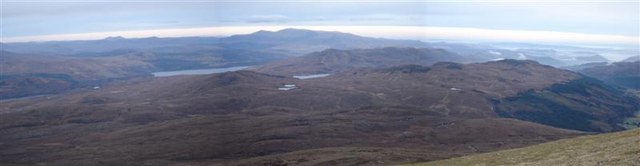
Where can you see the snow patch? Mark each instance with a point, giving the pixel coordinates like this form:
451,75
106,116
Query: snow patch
494,52
521,56
288,87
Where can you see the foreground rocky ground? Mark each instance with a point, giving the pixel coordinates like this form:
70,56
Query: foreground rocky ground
620,148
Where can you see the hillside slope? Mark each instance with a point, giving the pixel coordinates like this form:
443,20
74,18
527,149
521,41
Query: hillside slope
620,148
523,90
395,115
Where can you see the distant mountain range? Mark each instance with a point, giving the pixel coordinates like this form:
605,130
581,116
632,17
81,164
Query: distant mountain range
265,46
69,65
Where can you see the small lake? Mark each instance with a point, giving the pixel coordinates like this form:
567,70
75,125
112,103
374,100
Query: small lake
198,71
311,76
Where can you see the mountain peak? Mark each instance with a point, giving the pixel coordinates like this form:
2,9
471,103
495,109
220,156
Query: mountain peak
294,30
285,31
114,38
262,32
307,32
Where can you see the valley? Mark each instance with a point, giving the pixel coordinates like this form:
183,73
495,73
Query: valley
302,97
388,115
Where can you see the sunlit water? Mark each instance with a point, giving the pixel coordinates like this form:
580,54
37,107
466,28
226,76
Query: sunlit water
198,71
311,76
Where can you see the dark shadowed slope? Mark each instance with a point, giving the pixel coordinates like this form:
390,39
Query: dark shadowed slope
524,90
624,74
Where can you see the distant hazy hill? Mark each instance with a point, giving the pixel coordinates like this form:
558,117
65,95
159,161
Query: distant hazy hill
333,61
620,148
625,73
110,44
298,42
400,114
632,59
95,68
565,55
31,74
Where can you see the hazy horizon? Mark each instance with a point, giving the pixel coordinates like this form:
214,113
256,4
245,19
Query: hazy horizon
563,22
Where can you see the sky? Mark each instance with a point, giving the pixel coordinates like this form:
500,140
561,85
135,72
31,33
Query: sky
581,22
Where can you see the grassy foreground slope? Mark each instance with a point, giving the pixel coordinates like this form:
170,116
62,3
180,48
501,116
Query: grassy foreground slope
620,148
